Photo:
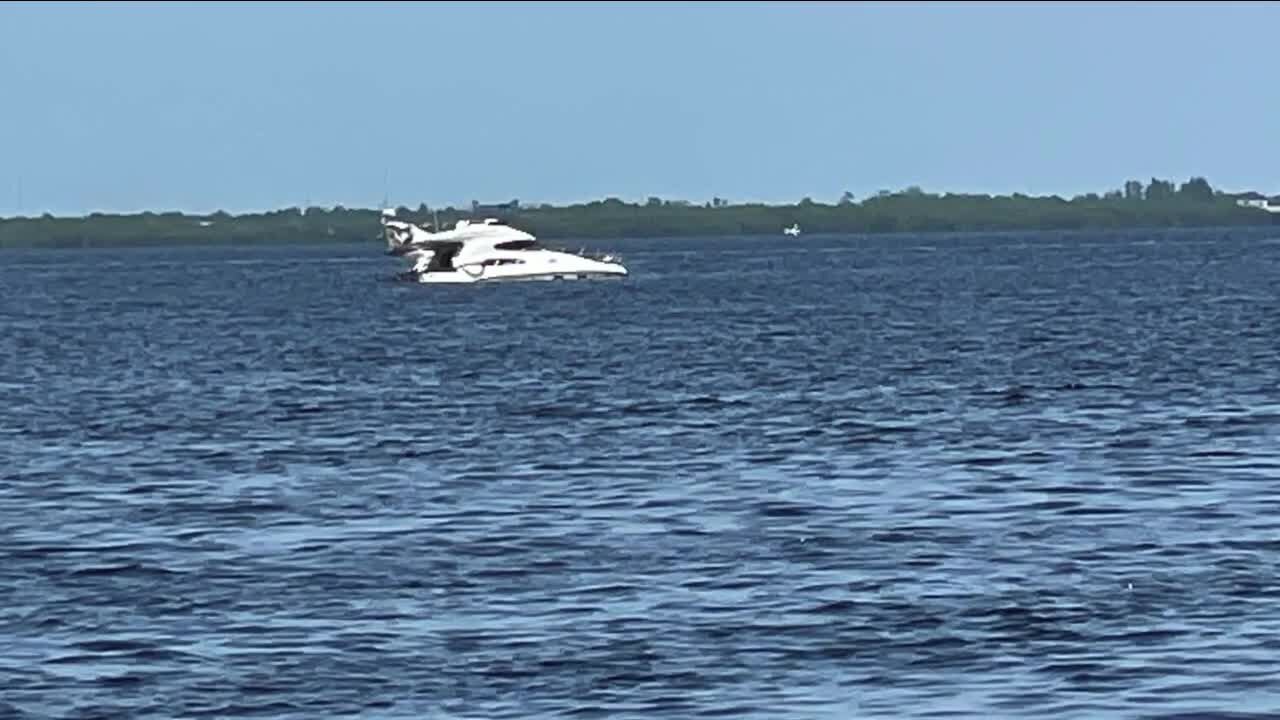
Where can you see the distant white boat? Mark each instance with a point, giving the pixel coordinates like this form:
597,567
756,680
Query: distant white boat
793,230
486,251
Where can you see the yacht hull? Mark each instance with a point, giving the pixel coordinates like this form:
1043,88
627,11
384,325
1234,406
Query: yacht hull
524,265
457,277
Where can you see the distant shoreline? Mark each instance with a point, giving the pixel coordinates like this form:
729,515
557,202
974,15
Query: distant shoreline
1156,206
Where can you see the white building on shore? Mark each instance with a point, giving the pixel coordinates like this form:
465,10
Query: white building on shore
1258,200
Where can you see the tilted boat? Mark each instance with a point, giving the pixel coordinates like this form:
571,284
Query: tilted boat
487,251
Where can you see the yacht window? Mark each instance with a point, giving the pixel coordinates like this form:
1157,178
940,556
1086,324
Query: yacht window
514,245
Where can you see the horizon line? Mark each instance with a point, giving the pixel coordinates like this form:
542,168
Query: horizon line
22,213
466,206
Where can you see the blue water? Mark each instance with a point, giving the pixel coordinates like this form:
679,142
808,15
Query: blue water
977,476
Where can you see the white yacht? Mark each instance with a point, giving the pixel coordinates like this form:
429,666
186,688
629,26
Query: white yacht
486,251
793,231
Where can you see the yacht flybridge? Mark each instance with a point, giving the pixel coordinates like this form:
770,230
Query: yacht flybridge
486,251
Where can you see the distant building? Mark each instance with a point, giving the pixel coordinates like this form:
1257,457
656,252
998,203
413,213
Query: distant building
1258,200
494,209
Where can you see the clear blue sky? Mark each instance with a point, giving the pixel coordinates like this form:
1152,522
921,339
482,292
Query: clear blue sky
118,107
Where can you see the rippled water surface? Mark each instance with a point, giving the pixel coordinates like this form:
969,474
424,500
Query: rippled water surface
1002,476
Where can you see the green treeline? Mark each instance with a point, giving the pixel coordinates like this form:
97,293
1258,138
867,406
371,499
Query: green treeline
1158,203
